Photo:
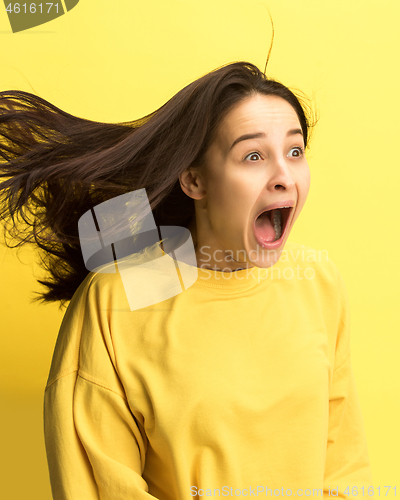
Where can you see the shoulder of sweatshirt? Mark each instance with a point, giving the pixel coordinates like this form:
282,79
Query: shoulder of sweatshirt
323,268
101,292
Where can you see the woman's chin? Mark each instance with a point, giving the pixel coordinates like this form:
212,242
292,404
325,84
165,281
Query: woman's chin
266,255
266,258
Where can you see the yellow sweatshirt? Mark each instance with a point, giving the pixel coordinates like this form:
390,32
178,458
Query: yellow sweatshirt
240,385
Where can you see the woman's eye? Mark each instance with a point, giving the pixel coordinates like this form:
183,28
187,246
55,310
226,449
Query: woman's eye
298,150
252,155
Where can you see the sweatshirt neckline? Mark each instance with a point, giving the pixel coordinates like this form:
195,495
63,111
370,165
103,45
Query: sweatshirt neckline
243,278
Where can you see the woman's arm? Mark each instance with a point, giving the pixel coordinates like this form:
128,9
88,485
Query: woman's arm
95,443
347,466
94,446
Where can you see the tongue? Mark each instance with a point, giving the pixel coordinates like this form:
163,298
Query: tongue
264,228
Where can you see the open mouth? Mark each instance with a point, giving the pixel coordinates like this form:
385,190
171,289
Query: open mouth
270,225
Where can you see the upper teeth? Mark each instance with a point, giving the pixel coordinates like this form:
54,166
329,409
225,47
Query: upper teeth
277,208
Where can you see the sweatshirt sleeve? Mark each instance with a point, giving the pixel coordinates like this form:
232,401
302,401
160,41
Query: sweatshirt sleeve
347,466
95,443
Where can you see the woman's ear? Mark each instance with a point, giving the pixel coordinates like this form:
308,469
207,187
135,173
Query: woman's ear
192,183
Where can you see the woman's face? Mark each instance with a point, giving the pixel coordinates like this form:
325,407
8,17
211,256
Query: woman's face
242,177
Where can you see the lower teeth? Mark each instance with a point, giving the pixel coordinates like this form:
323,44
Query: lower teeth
277,222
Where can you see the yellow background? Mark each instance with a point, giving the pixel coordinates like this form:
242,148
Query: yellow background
117,61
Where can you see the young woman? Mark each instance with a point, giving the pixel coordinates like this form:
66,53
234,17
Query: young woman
240,383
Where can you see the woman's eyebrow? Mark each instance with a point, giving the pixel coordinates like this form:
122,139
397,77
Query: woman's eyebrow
257,135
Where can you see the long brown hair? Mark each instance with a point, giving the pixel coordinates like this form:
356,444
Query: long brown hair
57,166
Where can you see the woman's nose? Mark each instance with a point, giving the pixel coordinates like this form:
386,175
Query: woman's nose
281,175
